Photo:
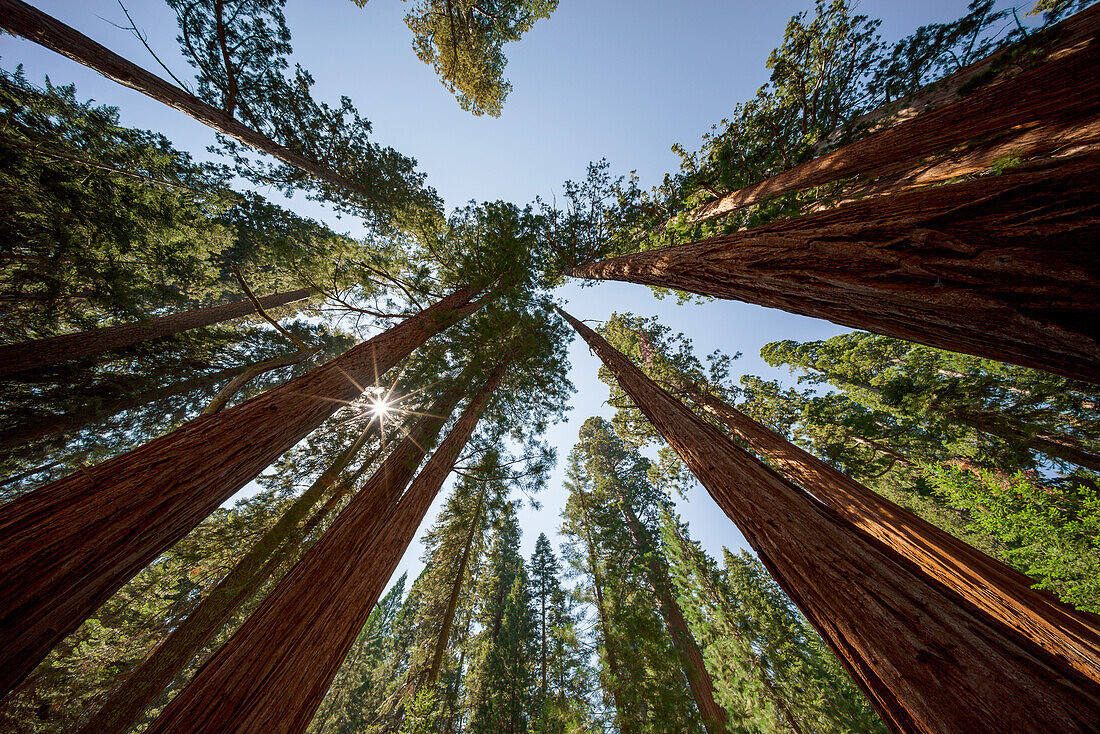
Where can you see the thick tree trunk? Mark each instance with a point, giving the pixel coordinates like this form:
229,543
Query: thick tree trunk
72,543
25,432
1004,267
40,353
273,673
24,20
1032,113
452,601
928,661
125,706
699,680
1001,592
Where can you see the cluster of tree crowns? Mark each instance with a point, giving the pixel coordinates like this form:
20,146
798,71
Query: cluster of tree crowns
150,307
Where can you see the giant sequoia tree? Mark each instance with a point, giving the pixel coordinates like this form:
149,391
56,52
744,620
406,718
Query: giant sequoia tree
815,558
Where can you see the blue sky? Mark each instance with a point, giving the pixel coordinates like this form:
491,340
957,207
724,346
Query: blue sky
615,79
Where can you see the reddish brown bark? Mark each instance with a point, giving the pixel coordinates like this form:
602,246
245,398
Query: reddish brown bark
126,704
273,673
699,680
1001,592
1032,113
72,543
40,353
1004,267
928,661
24,20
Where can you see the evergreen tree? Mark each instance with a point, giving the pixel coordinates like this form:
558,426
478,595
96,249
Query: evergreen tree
501,677
772,670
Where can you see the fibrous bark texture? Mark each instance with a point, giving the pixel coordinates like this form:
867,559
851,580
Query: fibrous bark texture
1001,592
72,543
1031,113
1004,267
148,680
24,20
271,676
928,660
40,353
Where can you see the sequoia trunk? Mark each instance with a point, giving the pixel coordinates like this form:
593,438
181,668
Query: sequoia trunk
928,661
72,543
1044,108
147,681
273,673
1003,267
1003,593
21,19
32,355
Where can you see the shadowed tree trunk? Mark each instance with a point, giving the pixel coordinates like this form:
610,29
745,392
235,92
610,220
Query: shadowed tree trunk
125,706
1002,592
699,680
39,353
72,543
928,661
24,20
1004,267
452,602
273,673
1032,113
622,719
23,433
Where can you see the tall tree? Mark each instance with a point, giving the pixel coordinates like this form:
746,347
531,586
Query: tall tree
70,544
367,178
849,586
643,675
621,475
32,355
1003,593
846,265
340,582
500,677
774,672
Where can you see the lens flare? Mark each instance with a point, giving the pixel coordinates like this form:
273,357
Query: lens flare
380,408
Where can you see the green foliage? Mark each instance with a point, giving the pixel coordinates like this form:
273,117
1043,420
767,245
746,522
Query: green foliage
771,670
463,41
1052,533
239,49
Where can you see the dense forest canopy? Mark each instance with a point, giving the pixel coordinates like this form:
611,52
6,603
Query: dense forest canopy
922,485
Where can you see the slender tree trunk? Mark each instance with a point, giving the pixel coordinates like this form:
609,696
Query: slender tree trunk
1058,446
452,601
1041,110
34,355
762,675
928,661
72,543
1002,593
24,433
125,706
24,20
272,674
622,718
1004,267
699,680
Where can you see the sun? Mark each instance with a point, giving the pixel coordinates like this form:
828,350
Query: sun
380,408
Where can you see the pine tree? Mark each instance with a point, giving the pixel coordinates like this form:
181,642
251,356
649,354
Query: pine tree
500,676
773,672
